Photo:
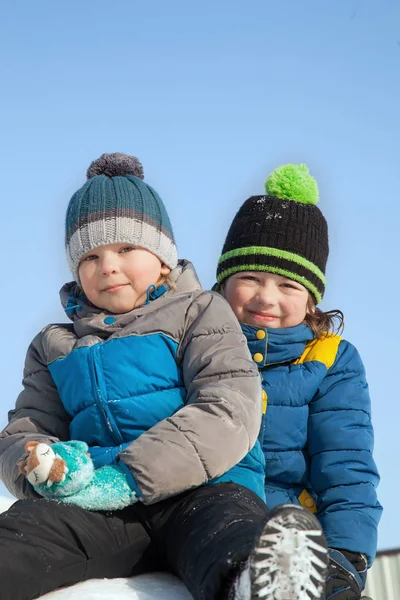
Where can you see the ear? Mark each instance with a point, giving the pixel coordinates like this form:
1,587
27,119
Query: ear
165,271
57,471
310,305
29,446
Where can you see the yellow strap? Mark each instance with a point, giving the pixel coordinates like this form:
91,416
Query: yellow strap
323,350
264,401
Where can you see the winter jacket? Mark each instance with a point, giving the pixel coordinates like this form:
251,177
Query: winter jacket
316,433
168,391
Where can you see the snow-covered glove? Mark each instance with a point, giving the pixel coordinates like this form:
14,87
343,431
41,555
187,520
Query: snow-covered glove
347,575
64,471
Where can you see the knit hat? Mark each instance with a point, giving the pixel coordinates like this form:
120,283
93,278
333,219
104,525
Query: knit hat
282,232
116,206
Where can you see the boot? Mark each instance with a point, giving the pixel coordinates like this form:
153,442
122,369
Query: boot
289,560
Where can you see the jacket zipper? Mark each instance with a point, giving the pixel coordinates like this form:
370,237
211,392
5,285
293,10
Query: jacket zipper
99,400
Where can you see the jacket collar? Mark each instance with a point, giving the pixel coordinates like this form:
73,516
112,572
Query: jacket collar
271,346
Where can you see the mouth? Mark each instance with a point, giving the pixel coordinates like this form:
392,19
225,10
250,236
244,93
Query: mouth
263,317
115,288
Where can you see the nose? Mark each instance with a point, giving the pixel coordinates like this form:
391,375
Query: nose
267,295
109,264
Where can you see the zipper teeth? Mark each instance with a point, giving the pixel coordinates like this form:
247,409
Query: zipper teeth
100,399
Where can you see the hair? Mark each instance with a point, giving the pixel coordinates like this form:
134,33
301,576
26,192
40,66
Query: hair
321,323
171,283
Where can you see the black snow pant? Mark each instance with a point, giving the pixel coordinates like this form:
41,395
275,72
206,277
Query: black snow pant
203,536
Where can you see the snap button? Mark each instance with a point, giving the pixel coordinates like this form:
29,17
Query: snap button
258,357
260,335
109,320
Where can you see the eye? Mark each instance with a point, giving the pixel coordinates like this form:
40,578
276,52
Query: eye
89,258
249,278
126,249
291,286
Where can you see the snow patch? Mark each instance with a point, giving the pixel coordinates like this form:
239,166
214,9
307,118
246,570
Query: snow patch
142,587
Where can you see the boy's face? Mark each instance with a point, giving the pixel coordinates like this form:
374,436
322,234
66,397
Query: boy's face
115,277
266,300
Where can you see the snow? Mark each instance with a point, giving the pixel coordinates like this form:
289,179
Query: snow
142,587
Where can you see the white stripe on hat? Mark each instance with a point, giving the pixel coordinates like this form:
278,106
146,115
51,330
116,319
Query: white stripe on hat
122,230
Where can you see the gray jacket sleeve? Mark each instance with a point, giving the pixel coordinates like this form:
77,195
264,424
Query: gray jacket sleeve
39,415
221,419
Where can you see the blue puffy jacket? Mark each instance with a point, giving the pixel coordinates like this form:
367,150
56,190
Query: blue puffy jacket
316,434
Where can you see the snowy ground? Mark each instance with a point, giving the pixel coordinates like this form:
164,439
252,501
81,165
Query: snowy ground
144,587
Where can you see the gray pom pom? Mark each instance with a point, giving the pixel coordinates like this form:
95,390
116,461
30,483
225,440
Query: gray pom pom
115,164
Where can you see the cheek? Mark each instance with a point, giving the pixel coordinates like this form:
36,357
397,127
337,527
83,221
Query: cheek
304,307
83,277
86,276
298,309
142,274
138,274
237,299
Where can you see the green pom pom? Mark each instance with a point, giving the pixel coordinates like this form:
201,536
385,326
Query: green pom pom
293,182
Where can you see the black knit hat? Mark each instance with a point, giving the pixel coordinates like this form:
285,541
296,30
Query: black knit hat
282,232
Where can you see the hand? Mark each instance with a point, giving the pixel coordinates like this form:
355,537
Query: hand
347,575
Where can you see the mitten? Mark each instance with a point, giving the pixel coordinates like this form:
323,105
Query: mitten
59,470
347,575
108,490
64,471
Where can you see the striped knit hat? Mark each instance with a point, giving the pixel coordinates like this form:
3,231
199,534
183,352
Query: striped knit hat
282,232
116,206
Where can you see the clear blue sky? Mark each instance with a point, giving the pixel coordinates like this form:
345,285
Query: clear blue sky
211,96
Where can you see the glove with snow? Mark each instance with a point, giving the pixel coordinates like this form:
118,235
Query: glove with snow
347,575
64,471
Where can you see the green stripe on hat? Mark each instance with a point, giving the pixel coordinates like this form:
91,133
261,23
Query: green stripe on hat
270,269
284,254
